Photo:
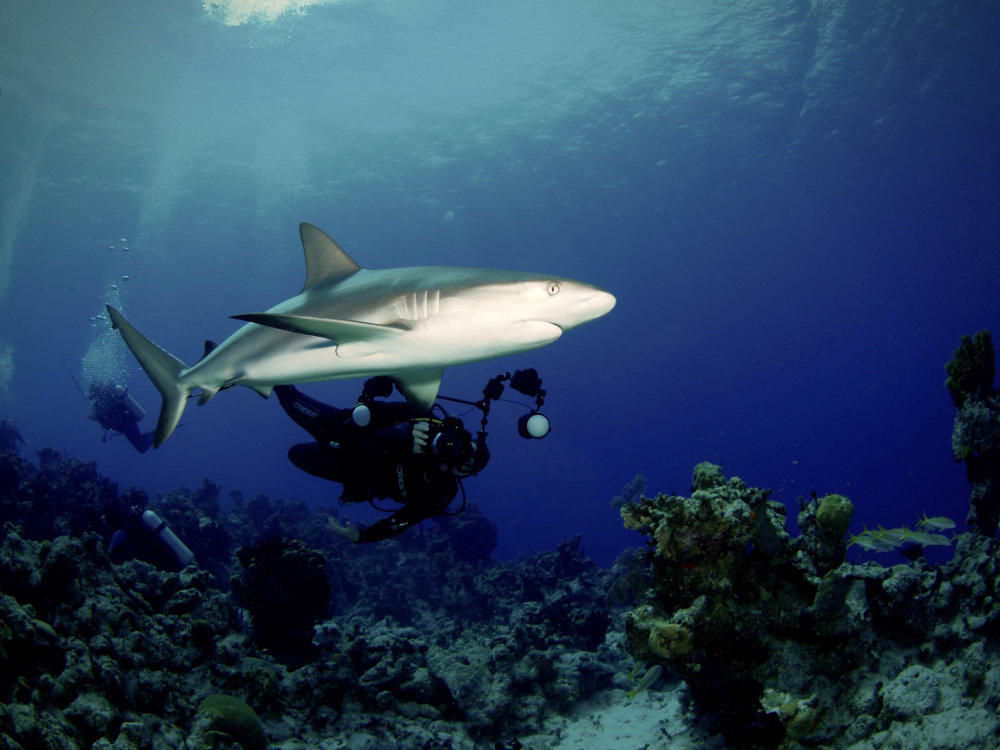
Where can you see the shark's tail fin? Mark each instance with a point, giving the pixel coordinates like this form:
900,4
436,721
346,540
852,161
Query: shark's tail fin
163,369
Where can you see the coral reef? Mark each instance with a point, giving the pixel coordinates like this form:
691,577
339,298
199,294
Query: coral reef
427,636
229,716
975,439
59,496
971,369
976,436
782,641
712,593
746,636
285,589
775,637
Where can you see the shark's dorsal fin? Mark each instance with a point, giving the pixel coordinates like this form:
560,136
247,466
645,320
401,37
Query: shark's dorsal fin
326,261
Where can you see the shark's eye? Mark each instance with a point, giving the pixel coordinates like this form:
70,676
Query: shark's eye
552,288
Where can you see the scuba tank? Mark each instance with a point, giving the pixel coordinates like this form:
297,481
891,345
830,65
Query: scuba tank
158,527
133,406
130,403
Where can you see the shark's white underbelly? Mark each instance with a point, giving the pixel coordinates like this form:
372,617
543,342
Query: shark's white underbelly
261,357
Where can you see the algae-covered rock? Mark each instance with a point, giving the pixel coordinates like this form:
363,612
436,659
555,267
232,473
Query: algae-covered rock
227,715
27,727
831,595
797,714
93,715
706,476
286,588
650,635
977,429
913,693
976,437
669,639
971,369
834,515
824,522
483,694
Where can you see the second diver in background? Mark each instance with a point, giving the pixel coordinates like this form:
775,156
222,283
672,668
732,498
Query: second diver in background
112,407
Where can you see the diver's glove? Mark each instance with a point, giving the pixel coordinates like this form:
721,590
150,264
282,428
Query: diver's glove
349,531
421,434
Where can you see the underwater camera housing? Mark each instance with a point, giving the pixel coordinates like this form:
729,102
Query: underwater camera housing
448,439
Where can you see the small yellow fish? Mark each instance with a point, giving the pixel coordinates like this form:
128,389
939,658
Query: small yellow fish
895,536
939,523
880,539
865,540
886,540
651,676
925,539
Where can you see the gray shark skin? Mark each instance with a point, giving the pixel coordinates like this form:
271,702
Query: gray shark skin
351,322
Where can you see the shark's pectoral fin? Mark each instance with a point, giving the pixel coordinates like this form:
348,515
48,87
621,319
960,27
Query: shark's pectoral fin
420,387
358,349
336,329
530,333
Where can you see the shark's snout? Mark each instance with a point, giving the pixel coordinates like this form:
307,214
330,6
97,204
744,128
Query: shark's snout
601,303
588,303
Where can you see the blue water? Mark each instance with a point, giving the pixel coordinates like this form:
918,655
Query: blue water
796,205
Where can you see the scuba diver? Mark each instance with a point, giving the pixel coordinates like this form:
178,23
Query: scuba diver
114,408
10,436
141,534
383,450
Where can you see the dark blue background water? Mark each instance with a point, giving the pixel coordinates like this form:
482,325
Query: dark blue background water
796,205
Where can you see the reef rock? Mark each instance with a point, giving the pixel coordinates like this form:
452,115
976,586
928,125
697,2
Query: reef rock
781,640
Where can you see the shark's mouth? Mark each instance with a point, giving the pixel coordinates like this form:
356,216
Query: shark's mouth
530,333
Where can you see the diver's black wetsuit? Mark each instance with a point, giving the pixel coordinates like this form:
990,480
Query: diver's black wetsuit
128,426
112,409
375,461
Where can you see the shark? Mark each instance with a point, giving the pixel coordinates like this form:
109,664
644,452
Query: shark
351,322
